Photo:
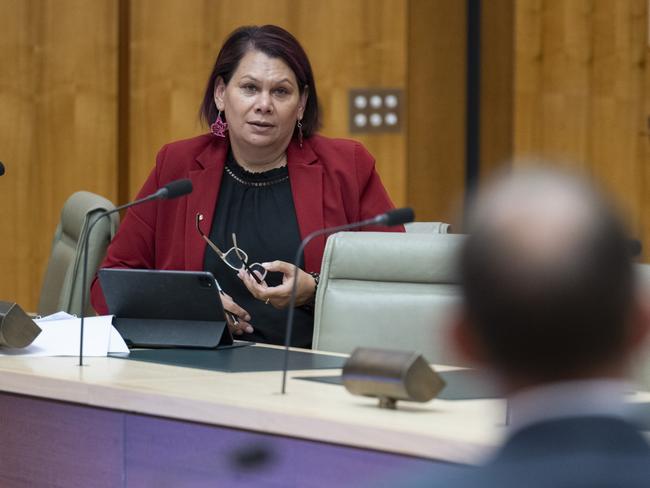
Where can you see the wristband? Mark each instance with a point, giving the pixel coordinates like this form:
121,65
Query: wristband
316,277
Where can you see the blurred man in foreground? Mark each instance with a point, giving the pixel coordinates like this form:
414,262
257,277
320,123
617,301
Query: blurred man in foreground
552,308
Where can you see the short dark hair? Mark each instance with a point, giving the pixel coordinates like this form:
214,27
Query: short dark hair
558,319
275,42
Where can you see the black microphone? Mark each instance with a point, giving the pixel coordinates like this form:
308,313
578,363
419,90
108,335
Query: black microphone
2,168
396,216
174,189
171,190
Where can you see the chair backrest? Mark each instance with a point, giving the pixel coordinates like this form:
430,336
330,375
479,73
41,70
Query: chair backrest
643,276
61,289
428,227
388,290
641,366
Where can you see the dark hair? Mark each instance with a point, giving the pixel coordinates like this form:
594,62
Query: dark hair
558,318
275,42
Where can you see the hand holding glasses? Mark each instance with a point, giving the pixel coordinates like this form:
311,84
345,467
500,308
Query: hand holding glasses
233,257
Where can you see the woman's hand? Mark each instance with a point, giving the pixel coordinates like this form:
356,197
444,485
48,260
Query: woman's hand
279,296
236,317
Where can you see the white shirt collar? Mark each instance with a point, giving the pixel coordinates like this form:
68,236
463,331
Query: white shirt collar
568,399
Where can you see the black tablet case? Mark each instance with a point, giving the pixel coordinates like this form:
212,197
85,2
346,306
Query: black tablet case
154,308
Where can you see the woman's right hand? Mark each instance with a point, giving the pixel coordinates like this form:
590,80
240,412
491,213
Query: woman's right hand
241,315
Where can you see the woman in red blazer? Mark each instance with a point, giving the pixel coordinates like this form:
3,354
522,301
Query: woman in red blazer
263,176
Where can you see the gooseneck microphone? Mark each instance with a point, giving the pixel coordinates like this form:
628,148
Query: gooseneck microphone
397,216
176,188
171,190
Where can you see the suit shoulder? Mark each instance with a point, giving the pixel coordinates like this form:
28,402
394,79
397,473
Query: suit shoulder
177,158
192,146
334,149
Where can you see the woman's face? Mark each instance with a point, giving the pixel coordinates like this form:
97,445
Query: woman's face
262,103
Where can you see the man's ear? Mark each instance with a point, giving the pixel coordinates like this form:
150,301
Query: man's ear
219,93
465,340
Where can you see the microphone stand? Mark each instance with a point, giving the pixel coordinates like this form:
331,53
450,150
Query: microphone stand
84,272
392,217
294,288
171,190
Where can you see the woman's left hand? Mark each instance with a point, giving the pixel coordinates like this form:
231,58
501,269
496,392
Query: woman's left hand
279,296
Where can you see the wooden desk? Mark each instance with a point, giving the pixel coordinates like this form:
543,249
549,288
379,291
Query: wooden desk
118,422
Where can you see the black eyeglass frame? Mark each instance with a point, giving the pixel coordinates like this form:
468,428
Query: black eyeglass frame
241,254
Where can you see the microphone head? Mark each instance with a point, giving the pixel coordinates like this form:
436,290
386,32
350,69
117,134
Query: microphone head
176,188
399,216
2,168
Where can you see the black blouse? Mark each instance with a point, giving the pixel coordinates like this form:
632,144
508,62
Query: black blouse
259,209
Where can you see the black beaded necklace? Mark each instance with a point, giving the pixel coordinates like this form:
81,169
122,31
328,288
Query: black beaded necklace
254,183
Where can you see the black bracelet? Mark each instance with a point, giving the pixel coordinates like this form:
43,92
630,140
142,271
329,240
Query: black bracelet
316,277
311,304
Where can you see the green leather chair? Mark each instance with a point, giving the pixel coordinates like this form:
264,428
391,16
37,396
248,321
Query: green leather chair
61,289
641,367
430,227
388,290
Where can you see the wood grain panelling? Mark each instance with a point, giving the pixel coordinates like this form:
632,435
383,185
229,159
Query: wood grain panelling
351,44
497,65
644,149
552,78
617,111
571,74
436,118
580,91
77,75
57,125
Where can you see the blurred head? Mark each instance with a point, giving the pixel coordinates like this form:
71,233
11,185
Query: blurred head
547,279
262,74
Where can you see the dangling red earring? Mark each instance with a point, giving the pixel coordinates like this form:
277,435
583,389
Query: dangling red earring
300,134
219,127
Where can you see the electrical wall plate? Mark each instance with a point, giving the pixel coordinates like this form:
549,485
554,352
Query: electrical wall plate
375,110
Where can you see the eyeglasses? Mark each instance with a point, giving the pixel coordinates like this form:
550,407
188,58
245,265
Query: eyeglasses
233,257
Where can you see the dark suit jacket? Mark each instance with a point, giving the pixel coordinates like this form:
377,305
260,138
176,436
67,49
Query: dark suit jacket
333,182
594,452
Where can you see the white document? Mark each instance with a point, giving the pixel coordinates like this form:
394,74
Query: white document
55,316
60,336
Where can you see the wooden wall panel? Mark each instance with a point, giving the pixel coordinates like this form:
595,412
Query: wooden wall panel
617,113
573,76
351,44
436,108
84,84
644,154
57,125
18,131
497,70
580,92
553,56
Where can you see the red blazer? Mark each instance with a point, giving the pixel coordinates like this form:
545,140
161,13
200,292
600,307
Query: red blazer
333,182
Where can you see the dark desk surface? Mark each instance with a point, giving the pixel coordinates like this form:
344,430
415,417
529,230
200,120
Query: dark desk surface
244,359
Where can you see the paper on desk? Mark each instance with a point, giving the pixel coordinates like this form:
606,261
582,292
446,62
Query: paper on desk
55,316
60,337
